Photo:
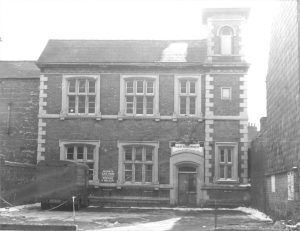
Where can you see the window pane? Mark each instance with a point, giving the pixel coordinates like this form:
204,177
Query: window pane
82,86
91,170
90,152
70,153
192,105
92,86
183,105
192,87
150,87
229,155
229,171
72,84
148,173
149,105
81,104
222,174
129,86
149,151
92,104
192,183
222,156
139,105
183,86
225,93
138,172
80,153
140,86
129,104
128,172
139,153
71,104
128,153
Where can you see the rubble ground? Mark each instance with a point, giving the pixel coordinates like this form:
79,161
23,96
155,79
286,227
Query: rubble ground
96,218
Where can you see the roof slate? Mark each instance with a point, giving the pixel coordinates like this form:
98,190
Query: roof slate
19,69
119,51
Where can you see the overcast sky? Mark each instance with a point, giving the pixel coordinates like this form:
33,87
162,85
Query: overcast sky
27,25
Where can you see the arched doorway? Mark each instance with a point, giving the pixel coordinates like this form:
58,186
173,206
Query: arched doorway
187,185
186,176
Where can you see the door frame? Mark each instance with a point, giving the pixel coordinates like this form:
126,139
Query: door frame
191,158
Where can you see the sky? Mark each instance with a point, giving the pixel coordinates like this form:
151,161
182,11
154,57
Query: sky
27,25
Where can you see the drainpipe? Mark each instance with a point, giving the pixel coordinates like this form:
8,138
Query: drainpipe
8,117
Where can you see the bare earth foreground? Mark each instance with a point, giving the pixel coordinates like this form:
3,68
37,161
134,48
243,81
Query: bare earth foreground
136,219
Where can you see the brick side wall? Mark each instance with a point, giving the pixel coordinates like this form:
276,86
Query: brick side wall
257,157
283,91
18,129
278,205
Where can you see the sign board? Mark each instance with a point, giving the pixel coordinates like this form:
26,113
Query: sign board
291,189
187,148
108,175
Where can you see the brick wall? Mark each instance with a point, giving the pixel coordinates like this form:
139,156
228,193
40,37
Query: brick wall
283,90
19,127
226,107
257,157
17,182
109,132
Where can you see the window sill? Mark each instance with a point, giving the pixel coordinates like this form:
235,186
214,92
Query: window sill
80,116
227,181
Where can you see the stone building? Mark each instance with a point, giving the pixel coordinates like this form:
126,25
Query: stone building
19,98
159,122
279,144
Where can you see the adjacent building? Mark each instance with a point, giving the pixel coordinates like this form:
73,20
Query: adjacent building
279,143
19,98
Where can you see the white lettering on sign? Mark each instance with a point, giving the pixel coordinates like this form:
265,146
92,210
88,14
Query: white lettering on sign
291,190
108,175
187,148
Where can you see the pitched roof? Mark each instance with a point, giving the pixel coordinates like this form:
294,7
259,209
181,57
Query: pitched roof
123,51
19,69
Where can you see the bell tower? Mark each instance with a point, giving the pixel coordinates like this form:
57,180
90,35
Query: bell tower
225,28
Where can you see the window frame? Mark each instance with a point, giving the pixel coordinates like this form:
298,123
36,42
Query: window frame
233,34
234,161
122,162
177,94
65,95
230,93
63,145
155,94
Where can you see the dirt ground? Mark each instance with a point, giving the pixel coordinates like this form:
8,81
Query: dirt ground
134,219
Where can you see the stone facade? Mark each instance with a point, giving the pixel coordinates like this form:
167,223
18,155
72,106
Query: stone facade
198,152
19,84
279,145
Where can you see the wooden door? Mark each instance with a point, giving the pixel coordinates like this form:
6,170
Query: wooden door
187,190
